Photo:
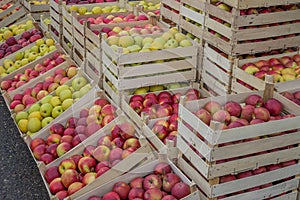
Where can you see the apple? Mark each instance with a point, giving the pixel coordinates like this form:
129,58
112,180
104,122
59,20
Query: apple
221,116
88,151
254,100
62,148
169,180
137,182
56,185
61,194
77,139
51,173
111,196
153,193
233,108
51,149
105,140
101,153
117,142
122,189
47,158
115,154
74,187
39,151
274,106
102,170
203,115
69,176
131,142
152,181
36,142
86,164
57,128
180,190
261,113
212,107
89,177
66,164
135,193
127,129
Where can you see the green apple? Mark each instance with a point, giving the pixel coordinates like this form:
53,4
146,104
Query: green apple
21,115
11,69
34,125
172,43
113,40
179,37
67,103
39,42
52,48
46,121
138,40
46,110
78,83
82,10
57,111
34,107
141,91
96,10
134,48
17,64
76,95
55,101
32,56
61,88
126,41
71,72
65,94
8,63
186,43
85,89
20,55
35,114
22,125
156,88
34,49
24,61
173,86
46,99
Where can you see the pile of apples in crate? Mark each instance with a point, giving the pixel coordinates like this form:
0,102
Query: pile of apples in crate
282,69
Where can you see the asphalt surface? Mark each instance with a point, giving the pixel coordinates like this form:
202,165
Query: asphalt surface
19,175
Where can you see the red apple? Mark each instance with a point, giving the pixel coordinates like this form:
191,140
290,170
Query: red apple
169,180
136,182
152,181
86,164
212,107
152,194
69,176
51,173
122,189
56,185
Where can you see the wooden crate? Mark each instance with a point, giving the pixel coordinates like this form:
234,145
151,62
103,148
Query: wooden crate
56,19
257,84
29,65
35,8
2,2
256,3
44,27
216,70
87,102
93,43
285,189
235,39
142,171
207,146
136,118
69,83
169,9
12,14
8,96
203,149
124,78
191,20
135,159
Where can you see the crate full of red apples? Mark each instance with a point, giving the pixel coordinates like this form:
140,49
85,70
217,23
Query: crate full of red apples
96,160
249,74
251,30
248,135
157,112
159,179
11,12
63,135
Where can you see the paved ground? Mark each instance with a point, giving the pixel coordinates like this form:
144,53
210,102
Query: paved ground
19,175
